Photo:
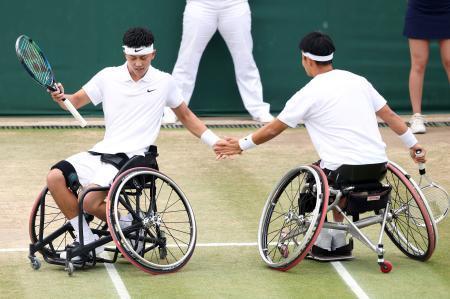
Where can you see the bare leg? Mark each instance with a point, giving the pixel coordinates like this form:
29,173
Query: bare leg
419,50
337,217
94,203
445,55
64,198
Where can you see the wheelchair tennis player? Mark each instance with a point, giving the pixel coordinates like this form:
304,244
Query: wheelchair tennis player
133,98
339,110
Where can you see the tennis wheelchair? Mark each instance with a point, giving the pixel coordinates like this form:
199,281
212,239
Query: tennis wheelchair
159,235
376,194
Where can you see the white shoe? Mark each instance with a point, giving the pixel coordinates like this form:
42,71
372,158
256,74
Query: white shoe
417,123
169,117
264,118
98,250
324,239
339,239
126,221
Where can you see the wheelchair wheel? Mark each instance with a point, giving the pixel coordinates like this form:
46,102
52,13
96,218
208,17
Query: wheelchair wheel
293,217
412,228
46,219
151,221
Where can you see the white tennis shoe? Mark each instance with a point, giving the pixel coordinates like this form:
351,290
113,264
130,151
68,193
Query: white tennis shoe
417,123
98,250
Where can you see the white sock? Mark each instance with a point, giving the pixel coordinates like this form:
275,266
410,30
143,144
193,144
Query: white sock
324,239
88,236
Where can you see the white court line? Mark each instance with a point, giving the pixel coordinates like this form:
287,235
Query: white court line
348,279
225,244
14,249
120,287
117,281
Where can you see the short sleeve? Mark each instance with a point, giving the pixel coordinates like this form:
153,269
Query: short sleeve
174,97
93,88
296,109
377,99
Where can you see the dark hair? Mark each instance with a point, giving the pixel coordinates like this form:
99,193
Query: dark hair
317,43
138,37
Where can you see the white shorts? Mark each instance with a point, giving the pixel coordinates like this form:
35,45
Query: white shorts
91,170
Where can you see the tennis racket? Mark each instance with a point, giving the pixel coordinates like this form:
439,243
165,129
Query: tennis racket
436,196
37,66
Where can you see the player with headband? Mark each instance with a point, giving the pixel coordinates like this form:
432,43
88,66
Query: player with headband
340,112
133,98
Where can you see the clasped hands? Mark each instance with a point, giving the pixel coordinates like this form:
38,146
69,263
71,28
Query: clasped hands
227,147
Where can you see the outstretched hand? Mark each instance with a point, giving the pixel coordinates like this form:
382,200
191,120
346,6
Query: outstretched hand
227,147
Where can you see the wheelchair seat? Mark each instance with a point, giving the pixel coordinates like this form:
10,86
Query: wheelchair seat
362,186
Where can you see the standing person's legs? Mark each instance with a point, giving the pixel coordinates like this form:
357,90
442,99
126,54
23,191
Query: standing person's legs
199,25
419,50
235,28
444,45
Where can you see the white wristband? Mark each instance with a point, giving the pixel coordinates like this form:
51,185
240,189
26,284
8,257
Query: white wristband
408,138
209,138
246,143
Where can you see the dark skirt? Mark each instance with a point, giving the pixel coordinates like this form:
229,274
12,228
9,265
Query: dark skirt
427,19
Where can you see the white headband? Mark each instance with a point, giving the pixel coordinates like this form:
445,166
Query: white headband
318,58
138,51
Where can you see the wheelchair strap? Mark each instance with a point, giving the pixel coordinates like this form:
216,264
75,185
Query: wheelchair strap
116,160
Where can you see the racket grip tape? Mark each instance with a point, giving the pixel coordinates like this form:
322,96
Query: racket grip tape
419,154
75,113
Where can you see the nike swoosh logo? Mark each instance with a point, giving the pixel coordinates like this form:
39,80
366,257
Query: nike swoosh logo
138,50
150,90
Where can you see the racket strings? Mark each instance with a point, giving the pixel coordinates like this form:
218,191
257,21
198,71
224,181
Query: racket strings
35,62
437,199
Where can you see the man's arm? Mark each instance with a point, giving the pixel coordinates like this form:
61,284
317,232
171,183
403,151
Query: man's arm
400,128
78,99
234,146
195,125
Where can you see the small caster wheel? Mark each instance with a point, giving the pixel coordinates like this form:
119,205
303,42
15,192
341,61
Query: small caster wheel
386,267
69,268
35,263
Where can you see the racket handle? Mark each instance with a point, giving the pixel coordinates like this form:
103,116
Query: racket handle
75,113
419,154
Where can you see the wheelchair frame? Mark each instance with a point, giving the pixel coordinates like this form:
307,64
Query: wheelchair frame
291,248
153,223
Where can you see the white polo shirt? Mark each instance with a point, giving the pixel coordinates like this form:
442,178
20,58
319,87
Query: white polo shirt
133,110
338,109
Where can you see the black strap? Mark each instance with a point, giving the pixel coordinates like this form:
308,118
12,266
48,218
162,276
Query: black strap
116,160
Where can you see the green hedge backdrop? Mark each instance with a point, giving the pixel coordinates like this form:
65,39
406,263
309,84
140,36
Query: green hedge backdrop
82,37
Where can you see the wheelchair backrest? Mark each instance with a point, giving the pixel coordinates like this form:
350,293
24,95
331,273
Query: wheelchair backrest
358,174
148,160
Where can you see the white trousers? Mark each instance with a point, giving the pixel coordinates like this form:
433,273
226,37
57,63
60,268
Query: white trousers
233,21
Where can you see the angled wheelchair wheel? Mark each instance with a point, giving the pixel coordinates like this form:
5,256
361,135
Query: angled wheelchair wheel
151,221
49,226
293,217
45,219
412,228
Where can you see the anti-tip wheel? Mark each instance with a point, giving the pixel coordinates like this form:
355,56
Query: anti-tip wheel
386,267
